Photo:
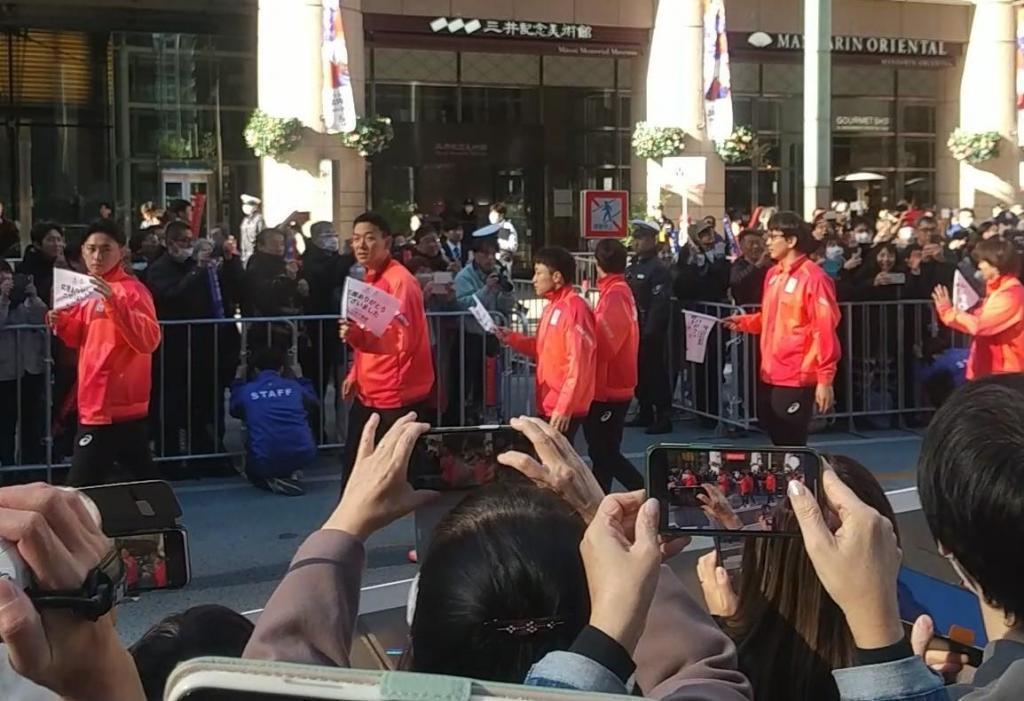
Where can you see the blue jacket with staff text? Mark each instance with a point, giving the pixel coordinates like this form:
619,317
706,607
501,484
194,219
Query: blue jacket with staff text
276,412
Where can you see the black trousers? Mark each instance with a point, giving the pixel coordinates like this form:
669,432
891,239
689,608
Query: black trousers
99,450
603,431
785,413
359,414
654,385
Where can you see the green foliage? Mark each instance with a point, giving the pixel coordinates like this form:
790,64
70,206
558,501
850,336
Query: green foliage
371,136
739,146
272,136
973,147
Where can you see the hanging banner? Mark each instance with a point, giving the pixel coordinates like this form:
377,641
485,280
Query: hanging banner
717,78
71,288
698,328
339,102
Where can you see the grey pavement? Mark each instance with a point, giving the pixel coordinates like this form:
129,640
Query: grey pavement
241,538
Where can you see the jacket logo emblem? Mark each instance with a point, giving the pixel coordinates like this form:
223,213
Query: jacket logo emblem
85,440
793,408
605,416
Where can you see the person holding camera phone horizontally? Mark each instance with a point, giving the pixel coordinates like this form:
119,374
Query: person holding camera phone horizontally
799,346
115,335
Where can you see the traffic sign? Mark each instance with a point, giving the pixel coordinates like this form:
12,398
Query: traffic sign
605,214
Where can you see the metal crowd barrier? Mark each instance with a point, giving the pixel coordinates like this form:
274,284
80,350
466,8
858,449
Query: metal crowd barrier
198,360
877,384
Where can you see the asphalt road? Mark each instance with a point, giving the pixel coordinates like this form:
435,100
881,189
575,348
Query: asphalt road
242,539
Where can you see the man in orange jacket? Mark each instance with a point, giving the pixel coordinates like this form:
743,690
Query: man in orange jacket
797,322
392,375
564,346
115,335
618,340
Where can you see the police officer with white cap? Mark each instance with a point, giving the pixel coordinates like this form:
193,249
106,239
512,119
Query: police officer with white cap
651,282
251,225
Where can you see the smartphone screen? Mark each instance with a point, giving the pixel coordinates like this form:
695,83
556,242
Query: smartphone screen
450,459
157,560
948,604
726,489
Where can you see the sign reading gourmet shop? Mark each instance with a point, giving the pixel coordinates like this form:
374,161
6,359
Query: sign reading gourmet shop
880,46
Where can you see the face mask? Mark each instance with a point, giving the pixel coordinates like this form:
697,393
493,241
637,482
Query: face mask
329,243
834,252
248,209
965,221
863,237
494,217
183,254
978,276
414,224
468,209
905,235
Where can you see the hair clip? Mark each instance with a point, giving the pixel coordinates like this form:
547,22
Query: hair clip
526,626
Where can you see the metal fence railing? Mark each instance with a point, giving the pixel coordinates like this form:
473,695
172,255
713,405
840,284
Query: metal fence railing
477,381
877,386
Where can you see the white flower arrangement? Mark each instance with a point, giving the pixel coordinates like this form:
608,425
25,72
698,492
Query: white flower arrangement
973,147
654,142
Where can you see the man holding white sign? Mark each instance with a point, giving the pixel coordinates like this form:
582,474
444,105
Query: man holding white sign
113,325
393,372
797,323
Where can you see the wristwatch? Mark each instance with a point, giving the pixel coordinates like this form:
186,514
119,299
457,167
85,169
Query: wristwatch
103,589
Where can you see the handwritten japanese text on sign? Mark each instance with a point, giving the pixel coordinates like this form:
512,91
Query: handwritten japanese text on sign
371,308
71,288
698,328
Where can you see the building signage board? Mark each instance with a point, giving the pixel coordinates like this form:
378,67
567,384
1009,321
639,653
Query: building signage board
861,122
605,214
886,46
512,29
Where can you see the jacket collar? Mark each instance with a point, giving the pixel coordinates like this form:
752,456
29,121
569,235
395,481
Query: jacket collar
608,280
560,294
372,274
115,274
1001,283
793,265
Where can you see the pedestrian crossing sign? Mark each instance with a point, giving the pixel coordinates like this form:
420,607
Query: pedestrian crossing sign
605,214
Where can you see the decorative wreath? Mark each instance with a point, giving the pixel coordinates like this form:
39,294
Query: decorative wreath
371,136
973,147
654,142
272,136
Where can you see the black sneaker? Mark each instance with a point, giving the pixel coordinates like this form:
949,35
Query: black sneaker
287,487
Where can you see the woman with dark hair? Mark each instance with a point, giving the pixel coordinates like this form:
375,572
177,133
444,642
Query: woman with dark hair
789,633
997,325
517,575
44,253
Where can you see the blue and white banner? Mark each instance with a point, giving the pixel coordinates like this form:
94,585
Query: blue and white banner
339,103
717,78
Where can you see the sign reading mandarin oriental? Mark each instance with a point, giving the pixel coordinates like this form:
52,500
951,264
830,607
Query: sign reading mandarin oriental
512,29
790,41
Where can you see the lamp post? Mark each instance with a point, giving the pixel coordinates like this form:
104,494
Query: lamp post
817,104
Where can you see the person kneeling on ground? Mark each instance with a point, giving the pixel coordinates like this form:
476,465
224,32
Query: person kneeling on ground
276,411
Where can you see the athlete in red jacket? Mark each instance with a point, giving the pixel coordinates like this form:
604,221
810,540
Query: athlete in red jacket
618,339
115,334
797,323
564,346
392,375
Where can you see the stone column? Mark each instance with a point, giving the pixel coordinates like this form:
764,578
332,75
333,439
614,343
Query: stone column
987,103
320,176
675,96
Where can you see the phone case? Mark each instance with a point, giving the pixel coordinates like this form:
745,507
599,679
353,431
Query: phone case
133,507
341,684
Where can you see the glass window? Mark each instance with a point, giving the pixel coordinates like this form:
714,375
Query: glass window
917,117
742,111
851,153
393,101
920,82
917,152
500,106
769,115
745,77
920,185
596,147
436,104
409,65
863,80
592,109
783,78
582,72
500,69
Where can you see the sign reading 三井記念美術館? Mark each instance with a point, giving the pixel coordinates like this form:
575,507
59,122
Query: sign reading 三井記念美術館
605,214
512,29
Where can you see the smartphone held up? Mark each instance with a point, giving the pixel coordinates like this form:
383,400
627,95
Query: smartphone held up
459,459
723,490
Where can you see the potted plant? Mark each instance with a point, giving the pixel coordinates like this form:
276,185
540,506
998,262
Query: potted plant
973,147
655,142
739,146
371,136
272,136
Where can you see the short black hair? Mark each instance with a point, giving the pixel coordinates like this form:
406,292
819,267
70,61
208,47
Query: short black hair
746,233
450,225
498,207
484,243
965,209
268,358
201,631
970,477
611,256
41,228
261,238
793,226
424,231
999,253
320,228
175,229
108,227
178,207
376,219
107,205
5,267
557,259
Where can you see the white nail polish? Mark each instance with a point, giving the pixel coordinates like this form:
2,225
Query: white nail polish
795,489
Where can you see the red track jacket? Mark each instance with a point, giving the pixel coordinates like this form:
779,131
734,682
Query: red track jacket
618,337
997,326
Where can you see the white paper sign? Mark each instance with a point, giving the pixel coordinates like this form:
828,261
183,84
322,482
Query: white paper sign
964,295
482,316
71,288
698,328
367,306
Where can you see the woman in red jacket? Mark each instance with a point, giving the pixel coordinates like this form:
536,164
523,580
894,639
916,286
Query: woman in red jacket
997,325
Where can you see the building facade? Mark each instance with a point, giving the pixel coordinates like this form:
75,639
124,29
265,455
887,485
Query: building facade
522,101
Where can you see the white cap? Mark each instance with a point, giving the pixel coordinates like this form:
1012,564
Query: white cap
249,199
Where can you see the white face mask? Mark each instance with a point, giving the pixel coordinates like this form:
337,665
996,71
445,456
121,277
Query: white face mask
468,209
414,223
965,220
183,254
905,235
248,209
494,217
834,252
863,237
329,243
